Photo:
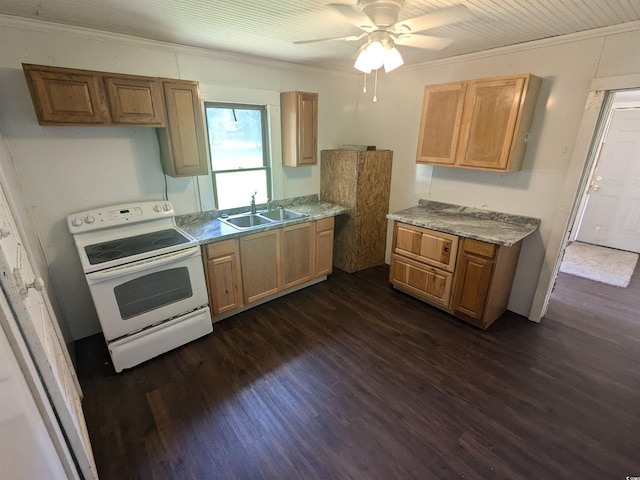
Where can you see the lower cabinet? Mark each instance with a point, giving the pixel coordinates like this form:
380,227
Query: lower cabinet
422,280
483,281
324,246
466,277
297,253
253,267
222,270
261,268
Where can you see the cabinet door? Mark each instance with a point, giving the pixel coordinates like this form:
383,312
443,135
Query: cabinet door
489,123
435,248
135,101
324,246
298,254
299,118
308,128
421,280
223,276
260,261
183,148
473,280
63,96
440,123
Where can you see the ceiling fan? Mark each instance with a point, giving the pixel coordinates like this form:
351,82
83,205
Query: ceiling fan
379,21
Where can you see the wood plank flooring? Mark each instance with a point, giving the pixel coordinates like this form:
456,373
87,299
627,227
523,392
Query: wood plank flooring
350,379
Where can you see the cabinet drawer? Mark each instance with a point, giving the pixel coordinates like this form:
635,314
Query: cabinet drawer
324,224
221,248
421,280
477,247
435,248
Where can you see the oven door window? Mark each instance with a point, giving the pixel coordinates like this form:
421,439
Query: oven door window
152,291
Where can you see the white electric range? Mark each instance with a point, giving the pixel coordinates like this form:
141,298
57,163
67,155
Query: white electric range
146,279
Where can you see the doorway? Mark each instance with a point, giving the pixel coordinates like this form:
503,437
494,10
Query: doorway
608,215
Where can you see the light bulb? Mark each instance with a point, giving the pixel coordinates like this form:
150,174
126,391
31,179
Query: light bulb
362,62
375,54
392,59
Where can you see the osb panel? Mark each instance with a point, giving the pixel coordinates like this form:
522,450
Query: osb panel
338,177
361,181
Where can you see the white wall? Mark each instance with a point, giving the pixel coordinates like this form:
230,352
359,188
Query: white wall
67,169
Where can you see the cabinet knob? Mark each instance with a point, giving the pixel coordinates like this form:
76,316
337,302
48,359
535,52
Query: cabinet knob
446,249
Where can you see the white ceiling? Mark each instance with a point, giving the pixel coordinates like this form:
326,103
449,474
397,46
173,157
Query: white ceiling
268,28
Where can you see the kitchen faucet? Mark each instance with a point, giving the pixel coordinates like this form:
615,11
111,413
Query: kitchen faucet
253,202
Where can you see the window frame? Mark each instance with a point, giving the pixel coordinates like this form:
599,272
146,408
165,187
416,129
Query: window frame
266,151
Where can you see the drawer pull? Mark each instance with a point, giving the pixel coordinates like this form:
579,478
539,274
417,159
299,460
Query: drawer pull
446,249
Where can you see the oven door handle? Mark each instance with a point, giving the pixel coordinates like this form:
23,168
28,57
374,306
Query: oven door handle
141,265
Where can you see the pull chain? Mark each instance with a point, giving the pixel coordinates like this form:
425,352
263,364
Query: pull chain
364,85
375,88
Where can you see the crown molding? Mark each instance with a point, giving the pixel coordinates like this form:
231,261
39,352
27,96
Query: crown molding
10,21
519,47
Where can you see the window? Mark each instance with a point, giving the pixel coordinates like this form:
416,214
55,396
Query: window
239,153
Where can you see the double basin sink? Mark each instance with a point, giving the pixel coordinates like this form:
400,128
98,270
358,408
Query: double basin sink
243,221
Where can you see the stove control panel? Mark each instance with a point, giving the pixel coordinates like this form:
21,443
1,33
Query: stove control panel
117,215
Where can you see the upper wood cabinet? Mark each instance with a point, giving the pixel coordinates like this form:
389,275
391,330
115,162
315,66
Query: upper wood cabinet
480,124
183,149
299,123
135,100
66,96
440,123
62,96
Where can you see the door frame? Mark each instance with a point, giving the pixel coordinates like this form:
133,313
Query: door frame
615,106
592,128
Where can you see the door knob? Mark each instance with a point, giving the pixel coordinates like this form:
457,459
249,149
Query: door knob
37,284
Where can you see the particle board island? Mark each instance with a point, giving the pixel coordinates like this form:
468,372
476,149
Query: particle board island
459,259
244,268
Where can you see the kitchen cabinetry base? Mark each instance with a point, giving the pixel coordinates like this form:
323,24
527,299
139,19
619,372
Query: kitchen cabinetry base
420,296
255,303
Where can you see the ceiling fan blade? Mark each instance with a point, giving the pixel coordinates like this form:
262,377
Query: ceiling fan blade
423,41
355,17
445,16
350,38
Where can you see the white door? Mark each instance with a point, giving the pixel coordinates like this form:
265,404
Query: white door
23,290
31,445
611,217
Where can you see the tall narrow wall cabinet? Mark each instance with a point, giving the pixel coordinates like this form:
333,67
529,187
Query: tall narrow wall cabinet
360,180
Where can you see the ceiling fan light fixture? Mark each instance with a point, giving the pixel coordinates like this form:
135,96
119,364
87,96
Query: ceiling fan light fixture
375,54
392,59
362,62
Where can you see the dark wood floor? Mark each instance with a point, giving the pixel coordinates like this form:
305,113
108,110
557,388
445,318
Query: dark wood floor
352,379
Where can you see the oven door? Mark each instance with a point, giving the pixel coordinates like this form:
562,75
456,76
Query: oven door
137,295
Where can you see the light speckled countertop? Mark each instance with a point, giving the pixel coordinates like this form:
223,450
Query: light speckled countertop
484,225
206,227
